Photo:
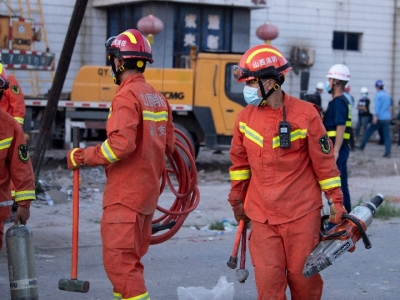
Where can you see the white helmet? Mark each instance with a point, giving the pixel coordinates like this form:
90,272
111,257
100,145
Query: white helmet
320,86
340,72
364,90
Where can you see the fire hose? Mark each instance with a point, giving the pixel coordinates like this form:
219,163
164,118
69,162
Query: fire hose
180,175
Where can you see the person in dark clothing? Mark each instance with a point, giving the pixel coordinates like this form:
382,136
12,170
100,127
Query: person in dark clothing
350,98
316,97
337,121
364,114
398,122
381,118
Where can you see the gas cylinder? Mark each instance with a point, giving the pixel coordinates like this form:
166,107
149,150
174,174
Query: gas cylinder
21,263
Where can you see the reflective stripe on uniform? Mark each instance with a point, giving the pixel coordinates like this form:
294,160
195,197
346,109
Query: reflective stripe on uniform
240,175
25,195
330,183
294,135
109,112
348,124
19,120
6,143
332,133
251,134
117,296
144,296
108,153
155,116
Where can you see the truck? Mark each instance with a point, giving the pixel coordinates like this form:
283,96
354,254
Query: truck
204,97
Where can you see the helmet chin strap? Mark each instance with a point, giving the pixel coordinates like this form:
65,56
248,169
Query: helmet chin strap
333,85
116,72
264,94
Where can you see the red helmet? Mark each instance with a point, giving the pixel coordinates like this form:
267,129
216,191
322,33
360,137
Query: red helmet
261,61
129,44
4,81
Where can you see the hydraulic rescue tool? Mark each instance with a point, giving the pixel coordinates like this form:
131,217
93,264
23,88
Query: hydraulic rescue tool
343,237
73,284
21,263
240,239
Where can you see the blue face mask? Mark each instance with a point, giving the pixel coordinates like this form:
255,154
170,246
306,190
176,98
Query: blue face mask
251,95
364,95
327,88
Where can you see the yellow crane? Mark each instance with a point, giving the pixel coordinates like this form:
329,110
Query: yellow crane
24,46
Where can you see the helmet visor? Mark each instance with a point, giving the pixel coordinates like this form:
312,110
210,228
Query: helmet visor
4,84
239,73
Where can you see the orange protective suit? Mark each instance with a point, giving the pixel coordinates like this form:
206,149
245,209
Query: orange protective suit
283,190
15,165
139,133
13,101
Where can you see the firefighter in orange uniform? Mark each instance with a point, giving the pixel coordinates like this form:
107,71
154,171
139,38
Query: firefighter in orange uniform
15,165
139,134
281,160
12,100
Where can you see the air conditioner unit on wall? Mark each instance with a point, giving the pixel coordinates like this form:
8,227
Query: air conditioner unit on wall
301,57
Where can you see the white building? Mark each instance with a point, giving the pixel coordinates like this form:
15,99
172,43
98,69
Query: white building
359,33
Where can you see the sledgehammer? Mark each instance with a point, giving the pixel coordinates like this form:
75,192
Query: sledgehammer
232,262
73,284
242,273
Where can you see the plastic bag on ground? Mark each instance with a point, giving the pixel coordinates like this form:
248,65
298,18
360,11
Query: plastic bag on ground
222,291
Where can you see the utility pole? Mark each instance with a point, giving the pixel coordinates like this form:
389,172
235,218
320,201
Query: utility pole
58,83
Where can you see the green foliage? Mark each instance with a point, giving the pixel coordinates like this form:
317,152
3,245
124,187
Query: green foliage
387,210
217,226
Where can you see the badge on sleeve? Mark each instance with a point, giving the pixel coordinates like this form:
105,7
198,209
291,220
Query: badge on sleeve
15,89
23,152
325,144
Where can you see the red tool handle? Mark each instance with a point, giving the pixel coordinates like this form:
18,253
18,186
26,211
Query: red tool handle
243,248
75,210
232,263
235,249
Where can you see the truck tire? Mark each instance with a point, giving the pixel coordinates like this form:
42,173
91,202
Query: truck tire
189,136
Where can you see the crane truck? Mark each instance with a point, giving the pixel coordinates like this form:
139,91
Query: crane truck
205,100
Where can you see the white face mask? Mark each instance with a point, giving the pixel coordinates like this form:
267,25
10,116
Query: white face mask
251,95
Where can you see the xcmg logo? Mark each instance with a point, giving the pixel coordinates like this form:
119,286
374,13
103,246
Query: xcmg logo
174,95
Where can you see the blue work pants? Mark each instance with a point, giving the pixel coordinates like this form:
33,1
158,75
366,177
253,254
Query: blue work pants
362,125
385,125
342,166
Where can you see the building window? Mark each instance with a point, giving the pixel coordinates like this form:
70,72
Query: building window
346,41
207,27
